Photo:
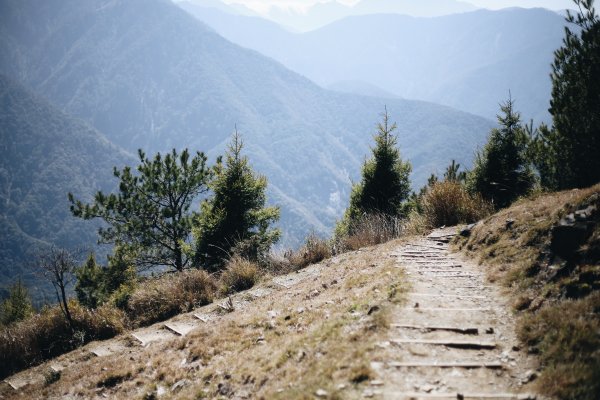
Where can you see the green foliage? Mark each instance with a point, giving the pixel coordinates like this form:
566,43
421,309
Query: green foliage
452,174
150,215
501,172
385,184
235,220
89,283
566,155
17,306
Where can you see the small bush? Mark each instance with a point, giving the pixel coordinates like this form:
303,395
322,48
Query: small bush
158,299
448,203
314,250
47,335
369,230
240,274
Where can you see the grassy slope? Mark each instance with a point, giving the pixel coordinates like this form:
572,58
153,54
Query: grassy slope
288,345
558,298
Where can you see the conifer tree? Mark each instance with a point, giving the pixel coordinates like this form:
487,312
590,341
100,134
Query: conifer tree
501,172
234,219
567,154
149,217
385,183
90,280
17,306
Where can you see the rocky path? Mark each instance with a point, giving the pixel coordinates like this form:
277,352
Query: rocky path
454,338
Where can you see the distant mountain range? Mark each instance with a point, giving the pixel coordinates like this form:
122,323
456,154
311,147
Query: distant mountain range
148,75
45,155
468,61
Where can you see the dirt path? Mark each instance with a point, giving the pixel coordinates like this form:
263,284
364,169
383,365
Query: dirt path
455,337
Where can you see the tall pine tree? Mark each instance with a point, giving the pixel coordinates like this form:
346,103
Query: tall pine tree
234,220
385,183
567,155
501,172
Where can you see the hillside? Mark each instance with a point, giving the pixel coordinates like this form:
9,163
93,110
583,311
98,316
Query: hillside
148,75
468,61
45,155
387,322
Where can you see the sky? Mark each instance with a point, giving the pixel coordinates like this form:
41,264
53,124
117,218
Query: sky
263,5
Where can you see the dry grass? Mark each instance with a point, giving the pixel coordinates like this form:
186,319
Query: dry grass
158,299
322,334
314,250
558,299
47,335
448,203
566,337
239,274
370,230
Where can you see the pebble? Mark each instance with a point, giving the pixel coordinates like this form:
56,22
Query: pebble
321,393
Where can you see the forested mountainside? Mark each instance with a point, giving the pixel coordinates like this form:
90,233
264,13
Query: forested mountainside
469,61
45,154
148,75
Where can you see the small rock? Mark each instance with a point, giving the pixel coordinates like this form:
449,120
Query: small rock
341,386
376,382
509,223
416,305
489,330
516,348
530,375
178,385
427,388
260,339
300,310
272,314
321,393
372,310
161,391
300,355
368,393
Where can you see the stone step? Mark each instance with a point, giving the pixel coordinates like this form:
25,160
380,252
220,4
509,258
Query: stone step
152,335
463,396
459,344
181,328
457,364
463,330
456,296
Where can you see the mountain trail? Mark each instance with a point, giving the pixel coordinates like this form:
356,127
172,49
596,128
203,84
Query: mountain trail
455,336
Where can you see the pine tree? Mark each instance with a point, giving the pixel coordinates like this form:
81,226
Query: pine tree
501,172
234,219
452,174
385,183
17,306
567,154
90,280
150,217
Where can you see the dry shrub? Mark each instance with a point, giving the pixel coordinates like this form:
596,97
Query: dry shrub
566,336
47,334
240,274
369,230
448,204
161,298
314,250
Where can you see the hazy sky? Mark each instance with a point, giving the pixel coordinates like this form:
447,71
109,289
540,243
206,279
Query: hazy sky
263,5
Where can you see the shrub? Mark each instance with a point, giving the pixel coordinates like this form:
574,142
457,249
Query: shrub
48,334
314,250
240,274
159,299
448,203
369,230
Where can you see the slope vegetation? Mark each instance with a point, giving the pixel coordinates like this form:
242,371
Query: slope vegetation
45,155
